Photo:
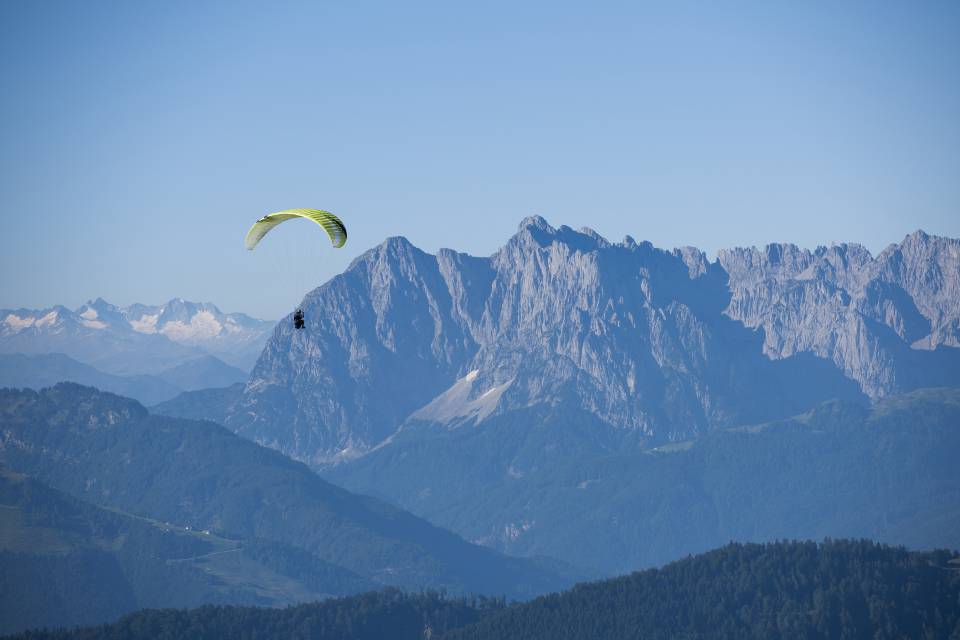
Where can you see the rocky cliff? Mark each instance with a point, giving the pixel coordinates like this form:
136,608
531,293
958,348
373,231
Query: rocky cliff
657,345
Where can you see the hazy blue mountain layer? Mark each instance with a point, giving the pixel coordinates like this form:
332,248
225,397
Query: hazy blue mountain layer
64,562
109,451
203,373
203,404
545,484
45,370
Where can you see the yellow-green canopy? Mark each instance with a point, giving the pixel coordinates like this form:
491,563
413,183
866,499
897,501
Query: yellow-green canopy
330,223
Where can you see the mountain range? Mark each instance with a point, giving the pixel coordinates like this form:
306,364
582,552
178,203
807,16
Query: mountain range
618,406
47,369
588,407
136,339
650,346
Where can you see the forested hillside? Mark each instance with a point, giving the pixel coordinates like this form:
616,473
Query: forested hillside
788,590
67,562
785,590
385,615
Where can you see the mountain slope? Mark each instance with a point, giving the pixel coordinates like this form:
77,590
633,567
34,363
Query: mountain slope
45,370
786,590
658,345
532,483
109,451
65,562
203,373
203,404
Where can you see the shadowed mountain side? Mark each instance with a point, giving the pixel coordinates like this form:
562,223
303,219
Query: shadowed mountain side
64,562
45,370
203,373
556,482
108,450
203,404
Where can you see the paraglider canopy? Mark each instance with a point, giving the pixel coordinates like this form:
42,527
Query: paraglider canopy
330,223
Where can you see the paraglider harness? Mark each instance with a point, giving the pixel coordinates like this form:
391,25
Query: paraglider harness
298,319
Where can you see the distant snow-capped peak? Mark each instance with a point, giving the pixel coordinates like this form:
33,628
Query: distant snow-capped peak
179,320
135,338
191,322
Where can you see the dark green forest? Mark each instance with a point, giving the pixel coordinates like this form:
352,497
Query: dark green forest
797,590
371,616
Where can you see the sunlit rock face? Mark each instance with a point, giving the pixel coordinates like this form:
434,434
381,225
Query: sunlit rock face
652,344
872,316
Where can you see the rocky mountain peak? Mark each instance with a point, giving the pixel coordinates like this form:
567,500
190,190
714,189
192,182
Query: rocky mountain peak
659,343
101,305
535,222
533,231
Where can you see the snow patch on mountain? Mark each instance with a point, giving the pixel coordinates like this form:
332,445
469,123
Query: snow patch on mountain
47,320
202,325
17,324
145,324
460,404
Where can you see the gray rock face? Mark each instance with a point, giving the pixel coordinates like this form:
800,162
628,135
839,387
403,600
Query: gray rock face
873,317
658,345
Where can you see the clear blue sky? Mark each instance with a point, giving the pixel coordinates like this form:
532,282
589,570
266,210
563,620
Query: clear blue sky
140,139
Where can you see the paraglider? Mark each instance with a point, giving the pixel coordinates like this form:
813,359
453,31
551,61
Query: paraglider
330,223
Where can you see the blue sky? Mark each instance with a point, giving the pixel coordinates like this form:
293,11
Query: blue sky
140,139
